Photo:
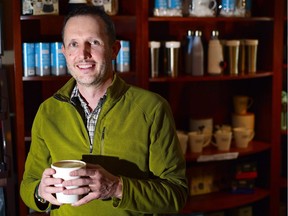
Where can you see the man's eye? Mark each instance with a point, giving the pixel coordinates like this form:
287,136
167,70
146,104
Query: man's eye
95,42
73,44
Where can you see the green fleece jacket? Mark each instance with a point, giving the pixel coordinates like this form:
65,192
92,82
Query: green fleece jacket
134,138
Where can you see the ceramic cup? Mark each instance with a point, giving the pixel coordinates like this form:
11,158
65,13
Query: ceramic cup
203,8
242,103
242,136
63,169
243,120
197,141
222,140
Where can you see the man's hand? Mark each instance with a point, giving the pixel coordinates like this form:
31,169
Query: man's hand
95,183
46,188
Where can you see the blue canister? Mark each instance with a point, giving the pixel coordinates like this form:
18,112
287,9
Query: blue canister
29,59
160,7
228,7
58,61
174,7
123,57
42,59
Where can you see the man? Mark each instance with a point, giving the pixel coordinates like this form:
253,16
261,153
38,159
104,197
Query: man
125,134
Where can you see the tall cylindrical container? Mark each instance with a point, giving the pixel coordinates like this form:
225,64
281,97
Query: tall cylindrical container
189,52
197,55
123,57
251,49
154,57
42,59
233,56
29,59
58,61
172,48
215,55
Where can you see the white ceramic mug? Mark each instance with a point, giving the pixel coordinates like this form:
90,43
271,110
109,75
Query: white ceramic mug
183,140
242,136
203,8
63,169
197,141
222,140
241,103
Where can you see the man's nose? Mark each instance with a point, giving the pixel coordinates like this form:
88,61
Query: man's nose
86,50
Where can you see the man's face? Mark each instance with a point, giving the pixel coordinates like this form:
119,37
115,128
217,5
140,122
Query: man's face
88,51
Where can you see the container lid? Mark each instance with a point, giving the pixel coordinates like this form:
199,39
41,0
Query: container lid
172,44
215,33
232,43
251,42
77,1
198,33
154,44
190,33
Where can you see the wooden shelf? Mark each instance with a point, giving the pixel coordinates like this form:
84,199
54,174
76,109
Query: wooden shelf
210,19
253,148
61,17
209,77
67,77
222,200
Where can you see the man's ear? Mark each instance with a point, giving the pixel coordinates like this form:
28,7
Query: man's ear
63,49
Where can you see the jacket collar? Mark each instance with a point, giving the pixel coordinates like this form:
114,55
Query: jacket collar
114,92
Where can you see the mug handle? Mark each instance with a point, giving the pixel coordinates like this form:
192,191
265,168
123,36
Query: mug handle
206,141
214,4
214,143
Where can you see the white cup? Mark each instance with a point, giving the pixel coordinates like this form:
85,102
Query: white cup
243,120
183,140
223,140
63,169
242,136
197,141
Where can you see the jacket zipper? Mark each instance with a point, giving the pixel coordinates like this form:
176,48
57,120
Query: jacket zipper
102,141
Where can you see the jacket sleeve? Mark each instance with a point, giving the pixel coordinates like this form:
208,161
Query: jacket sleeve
167,191
37,160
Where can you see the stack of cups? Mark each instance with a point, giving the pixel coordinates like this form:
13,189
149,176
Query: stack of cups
243,122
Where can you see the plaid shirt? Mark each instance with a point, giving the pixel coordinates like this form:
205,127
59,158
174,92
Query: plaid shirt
91,117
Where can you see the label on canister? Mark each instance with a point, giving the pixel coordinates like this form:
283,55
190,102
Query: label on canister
123,57
29,59
42,59
58,61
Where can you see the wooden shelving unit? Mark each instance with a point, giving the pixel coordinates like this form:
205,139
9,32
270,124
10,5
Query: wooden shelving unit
188,96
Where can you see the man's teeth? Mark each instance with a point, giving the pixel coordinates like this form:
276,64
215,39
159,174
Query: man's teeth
85,66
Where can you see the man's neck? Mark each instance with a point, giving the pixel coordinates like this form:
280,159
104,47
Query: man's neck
92,94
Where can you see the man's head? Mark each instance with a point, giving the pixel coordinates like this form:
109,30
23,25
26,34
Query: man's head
93,11
89,46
